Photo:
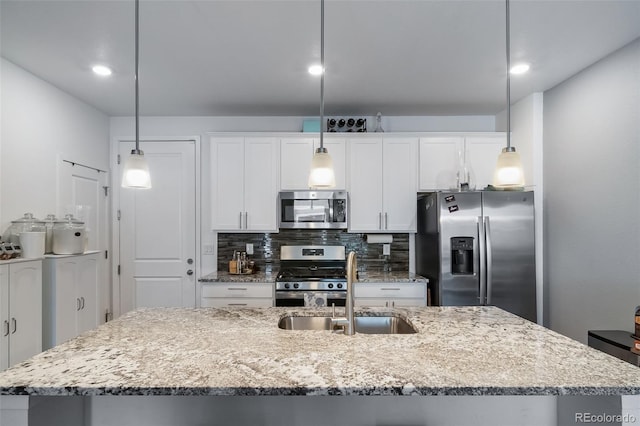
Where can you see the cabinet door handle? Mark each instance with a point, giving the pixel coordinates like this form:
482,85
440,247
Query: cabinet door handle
240,220
386,304
82,299
380,220
6,328
386,220
14,323
77,303
246,220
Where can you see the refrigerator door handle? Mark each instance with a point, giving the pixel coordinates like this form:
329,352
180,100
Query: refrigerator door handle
489,259
481,260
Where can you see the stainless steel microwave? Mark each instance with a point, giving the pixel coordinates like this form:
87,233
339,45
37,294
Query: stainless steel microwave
321,209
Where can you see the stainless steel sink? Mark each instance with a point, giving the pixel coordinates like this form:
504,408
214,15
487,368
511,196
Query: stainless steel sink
365,325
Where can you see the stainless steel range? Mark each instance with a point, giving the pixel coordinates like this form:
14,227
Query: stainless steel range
311,269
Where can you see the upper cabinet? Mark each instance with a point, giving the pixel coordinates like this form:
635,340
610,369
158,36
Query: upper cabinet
295,160
382,183
244,183
440,159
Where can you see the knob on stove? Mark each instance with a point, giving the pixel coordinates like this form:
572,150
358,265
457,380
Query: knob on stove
286,285
296,285
331,285
339,285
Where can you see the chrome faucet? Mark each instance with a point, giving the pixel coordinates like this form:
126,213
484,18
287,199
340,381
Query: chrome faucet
347,321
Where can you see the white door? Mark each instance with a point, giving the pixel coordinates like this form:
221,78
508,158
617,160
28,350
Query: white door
365,184
81,191
25,291
399,184
4,317
158,229
261,166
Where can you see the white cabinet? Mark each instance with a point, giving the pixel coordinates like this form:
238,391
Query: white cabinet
382,184
295,160
20,311
390,294
244,183
217,295
70,297
439,158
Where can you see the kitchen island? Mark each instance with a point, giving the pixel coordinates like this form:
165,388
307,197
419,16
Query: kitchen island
216,356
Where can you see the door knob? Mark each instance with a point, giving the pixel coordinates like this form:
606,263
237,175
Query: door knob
190,272
190,261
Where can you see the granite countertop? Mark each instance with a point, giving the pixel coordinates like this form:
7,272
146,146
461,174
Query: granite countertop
235,351
363,277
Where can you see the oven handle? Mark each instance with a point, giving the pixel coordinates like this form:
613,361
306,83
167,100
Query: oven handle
299,294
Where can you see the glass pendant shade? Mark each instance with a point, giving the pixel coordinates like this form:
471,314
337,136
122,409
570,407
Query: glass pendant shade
322,174
508,173
136,172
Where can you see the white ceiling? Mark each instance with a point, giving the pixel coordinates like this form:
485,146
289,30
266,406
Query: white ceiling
250,57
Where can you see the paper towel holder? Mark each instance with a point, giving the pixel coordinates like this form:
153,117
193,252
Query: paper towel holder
378,238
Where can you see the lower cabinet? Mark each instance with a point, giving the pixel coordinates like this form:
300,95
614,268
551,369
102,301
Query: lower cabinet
20,311
390,294
219,295
70,291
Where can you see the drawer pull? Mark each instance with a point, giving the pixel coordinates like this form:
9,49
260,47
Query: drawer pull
390,289
236,304
237,288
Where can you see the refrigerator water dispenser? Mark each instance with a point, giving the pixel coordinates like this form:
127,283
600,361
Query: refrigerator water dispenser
462,255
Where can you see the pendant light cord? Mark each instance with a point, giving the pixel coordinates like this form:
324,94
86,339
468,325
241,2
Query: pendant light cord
508,80
322,74
136,78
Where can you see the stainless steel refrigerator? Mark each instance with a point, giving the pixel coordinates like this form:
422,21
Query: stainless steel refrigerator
478,248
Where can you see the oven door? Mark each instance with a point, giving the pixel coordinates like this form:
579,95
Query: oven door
296,298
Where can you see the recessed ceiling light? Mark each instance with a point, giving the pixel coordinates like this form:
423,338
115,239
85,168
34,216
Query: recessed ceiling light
315,69
101,70
520,68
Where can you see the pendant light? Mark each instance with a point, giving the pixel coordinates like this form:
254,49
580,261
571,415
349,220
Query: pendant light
508,173
136,169
322,174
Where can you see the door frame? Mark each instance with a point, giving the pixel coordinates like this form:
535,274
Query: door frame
115,206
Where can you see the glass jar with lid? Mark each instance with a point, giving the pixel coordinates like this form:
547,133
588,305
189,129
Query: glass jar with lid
68,236
27,223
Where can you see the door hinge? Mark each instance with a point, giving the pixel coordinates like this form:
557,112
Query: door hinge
118,269
108,315
106,254
118,158
118,214
106,191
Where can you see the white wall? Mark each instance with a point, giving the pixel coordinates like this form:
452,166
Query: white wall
40,122
592,196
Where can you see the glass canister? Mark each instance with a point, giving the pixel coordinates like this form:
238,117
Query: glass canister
26,223
49,221
68,236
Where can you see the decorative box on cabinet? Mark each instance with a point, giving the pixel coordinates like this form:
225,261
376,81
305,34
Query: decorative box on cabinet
20,311
296,153
390,294
70,297
244,183
439,159
382,184
218,295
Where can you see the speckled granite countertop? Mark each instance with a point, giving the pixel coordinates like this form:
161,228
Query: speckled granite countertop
457,351
364,277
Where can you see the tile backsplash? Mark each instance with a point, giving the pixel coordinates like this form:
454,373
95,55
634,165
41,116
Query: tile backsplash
266,248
